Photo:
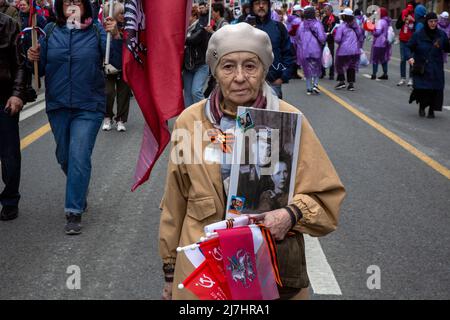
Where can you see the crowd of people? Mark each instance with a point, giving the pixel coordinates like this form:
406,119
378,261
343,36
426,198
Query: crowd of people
240,57
79,91
310,40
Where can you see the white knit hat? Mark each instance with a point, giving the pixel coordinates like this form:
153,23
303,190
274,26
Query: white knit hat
347,12
240,37
444,15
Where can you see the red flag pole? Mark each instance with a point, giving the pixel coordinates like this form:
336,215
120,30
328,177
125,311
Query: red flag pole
34,42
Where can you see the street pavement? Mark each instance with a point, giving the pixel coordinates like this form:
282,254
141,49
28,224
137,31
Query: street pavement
395,219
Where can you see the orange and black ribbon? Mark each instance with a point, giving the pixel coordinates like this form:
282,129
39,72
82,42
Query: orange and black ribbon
226,140
273,253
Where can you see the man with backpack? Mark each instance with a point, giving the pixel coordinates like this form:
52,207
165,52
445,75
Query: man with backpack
281,70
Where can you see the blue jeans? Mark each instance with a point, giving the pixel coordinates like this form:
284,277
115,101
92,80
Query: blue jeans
375,68
277,90
75,132
194,82
404,58
311,82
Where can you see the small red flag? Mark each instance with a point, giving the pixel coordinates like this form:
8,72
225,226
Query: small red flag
203,283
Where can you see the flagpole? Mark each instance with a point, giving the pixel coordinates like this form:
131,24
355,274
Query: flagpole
108,36
34,45
210,12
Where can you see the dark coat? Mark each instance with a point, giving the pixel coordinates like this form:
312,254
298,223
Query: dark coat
12,70
429,52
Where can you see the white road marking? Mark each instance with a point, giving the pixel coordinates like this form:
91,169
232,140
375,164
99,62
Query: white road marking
320,273
31,111
447,108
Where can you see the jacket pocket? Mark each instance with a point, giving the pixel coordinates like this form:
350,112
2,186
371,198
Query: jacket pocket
200,209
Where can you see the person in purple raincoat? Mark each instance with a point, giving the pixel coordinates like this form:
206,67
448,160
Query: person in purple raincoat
444,25
292,24
381,49
311,37
350,38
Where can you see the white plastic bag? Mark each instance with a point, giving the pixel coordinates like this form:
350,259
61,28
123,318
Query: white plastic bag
327,58
363,60
391,35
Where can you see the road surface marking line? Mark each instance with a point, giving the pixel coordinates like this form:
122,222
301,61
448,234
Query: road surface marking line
32,137
389,134
320,273
25,114
447,108
400,60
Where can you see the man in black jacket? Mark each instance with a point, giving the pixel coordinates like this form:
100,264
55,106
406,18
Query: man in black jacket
12,98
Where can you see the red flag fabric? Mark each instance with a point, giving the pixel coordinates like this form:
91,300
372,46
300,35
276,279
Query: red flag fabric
240,263
152,57
213,254
203,283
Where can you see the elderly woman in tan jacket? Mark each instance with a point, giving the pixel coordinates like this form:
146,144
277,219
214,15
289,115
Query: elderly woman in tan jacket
195,194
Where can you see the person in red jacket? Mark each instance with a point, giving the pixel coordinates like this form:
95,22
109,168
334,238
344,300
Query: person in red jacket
405,24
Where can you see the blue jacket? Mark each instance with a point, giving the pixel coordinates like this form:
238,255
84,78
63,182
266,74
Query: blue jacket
284,56
72,62
419,15
428,52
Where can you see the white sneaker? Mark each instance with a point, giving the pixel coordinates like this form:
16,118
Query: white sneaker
107,124
402,82
410,83
121,126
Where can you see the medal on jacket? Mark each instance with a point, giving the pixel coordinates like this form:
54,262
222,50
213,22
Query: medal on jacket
225,140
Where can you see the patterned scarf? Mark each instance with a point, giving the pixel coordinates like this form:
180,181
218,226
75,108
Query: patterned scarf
215,112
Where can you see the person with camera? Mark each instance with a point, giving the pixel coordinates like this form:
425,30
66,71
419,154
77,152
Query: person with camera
12,99
426,56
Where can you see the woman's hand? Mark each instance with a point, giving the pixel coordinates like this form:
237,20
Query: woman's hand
411,61
167,291
111,26
278,222
33,54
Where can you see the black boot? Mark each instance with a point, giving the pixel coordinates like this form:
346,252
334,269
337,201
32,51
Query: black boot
421,111
431,113
9,213
384,77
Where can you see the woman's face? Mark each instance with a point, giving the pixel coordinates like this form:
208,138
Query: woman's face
24,7
240,76
120,17
432,24
67,4
280,176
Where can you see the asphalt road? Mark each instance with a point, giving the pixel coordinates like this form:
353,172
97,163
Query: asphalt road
396,215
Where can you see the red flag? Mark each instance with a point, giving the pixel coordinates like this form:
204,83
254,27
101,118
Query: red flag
213,254
203,283
155,33
240,263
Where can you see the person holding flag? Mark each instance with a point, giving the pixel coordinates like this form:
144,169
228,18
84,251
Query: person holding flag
71,58
239,57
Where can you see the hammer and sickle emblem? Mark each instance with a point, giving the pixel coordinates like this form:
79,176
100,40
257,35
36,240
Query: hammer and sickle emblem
206,282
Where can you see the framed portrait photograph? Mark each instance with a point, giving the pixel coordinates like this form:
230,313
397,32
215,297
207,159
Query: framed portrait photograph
265,156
